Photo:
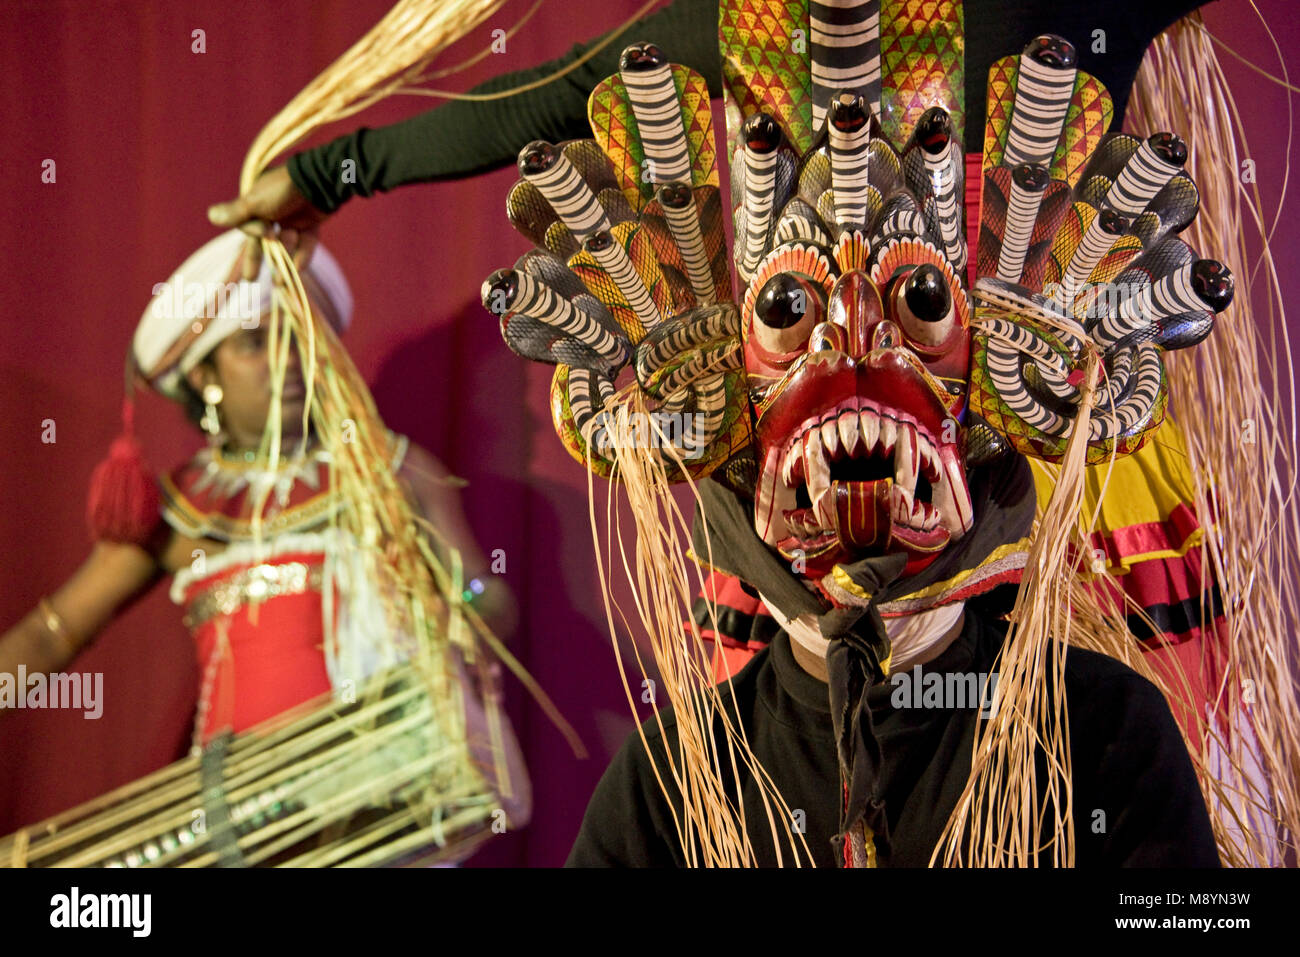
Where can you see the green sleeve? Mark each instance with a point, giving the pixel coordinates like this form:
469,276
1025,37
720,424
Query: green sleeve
465,137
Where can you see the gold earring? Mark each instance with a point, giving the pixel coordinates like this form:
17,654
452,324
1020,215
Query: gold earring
212,396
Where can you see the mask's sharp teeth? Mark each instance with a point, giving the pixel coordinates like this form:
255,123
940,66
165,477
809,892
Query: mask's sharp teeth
961,494
850,432
784,501
951,497
787,467
929,459
831,439
901,501
796,462
770,499
824,510
907,459
870,423
931,518
818,470
888,434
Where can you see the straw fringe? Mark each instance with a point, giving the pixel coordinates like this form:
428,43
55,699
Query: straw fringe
1234,398
998,817
326,758
1005,816
712,828
422,592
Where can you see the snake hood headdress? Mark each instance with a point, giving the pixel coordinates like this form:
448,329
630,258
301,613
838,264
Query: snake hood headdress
863,383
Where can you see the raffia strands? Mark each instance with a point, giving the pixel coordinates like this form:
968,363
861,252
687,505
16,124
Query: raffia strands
1006,816
393,57
400,758
1234,397
618,34
1100,619
1236,805
711,827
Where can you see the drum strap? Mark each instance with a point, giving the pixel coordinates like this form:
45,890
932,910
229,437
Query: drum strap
221,831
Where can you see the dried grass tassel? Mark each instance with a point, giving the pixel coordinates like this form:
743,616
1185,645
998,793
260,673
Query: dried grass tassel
1006,816
423,593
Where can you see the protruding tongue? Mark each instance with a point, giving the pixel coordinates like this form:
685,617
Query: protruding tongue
862,512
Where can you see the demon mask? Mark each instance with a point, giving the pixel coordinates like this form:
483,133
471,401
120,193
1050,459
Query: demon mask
859,377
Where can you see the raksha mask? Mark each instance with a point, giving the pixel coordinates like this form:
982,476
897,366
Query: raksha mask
858,377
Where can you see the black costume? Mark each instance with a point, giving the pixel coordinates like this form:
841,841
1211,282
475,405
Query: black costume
1129,764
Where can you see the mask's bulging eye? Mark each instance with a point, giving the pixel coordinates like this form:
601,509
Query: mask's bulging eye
788,307
923,304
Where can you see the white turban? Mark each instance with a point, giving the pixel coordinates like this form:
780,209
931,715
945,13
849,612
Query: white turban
205,301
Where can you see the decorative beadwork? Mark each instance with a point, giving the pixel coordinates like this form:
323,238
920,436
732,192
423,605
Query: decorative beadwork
219,651
255,584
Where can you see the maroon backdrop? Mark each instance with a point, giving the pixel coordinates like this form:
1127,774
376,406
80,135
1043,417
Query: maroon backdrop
145,134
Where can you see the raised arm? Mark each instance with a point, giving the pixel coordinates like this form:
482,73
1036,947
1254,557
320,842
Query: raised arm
463,137
64,623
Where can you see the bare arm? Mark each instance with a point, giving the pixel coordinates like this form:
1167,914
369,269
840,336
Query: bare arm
107,581
437,493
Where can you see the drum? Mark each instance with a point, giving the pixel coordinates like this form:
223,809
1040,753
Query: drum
385,779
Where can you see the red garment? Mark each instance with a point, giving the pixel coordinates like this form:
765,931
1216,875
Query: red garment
736,609
255,609
262,658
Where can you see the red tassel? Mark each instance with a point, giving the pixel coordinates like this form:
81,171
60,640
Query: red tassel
123,505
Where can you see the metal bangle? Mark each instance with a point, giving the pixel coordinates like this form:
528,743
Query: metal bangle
55,625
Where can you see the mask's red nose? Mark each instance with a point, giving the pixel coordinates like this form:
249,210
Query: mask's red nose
855,306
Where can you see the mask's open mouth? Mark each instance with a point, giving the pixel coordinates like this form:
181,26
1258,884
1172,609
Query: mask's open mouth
863,476
860,457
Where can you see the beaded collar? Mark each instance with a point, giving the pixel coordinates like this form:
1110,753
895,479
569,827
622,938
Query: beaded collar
213,494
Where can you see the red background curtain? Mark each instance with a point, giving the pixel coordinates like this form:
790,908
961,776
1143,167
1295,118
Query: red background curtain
146,134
